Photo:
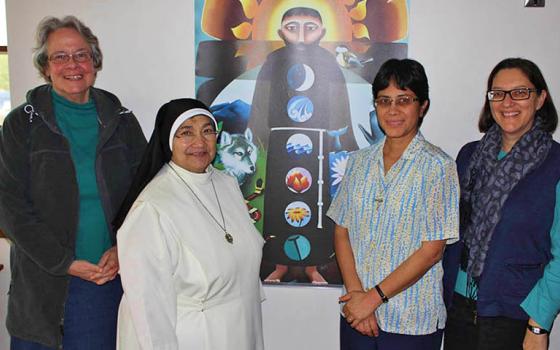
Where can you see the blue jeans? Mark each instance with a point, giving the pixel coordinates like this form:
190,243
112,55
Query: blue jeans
90,317
351,339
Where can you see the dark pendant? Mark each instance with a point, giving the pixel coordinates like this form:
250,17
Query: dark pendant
229,238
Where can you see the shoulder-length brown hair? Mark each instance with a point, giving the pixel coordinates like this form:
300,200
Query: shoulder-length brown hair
547,112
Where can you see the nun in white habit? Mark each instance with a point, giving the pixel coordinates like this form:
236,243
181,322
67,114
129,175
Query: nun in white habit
189,254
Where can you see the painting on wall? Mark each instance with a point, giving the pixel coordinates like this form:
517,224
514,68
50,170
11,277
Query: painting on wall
290,84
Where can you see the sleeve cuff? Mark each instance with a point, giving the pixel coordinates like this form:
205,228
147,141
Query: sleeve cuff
536,308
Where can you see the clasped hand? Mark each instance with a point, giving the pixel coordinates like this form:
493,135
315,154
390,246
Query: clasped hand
105,270
359,312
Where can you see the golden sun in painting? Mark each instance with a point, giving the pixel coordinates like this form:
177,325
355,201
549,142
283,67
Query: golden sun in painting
345,20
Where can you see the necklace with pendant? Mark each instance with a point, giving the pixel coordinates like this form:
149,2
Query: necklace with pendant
227,235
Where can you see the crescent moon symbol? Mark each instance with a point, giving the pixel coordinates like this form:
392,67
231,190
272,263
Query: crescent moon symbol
309,79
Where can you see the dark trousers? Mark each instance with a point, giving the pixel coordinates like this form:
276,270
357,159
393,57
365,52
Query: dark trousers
462,332
351,339
90,317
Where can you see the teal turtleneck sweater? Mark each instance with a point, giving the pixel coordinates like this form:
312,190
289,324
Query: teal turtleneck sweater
79,124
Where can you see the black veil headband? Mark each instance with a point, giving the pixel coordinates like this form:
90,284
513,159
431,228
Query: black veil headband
158,151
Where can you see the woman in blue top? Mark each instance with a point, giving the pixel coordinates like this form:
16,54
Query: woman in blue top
507,289
67,158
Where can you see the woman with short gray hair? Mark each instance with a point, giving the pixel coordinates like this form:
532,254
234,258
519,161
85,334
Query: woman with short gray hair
50,24
67,158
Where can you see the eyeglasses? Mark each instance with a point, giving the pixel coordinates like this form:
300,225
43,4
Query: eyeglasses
400,101
63,57
515,94
188,135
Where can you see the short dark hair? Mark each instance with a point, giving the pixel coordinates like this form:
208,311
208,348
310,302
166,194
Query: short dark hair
547,112
406,73
302,11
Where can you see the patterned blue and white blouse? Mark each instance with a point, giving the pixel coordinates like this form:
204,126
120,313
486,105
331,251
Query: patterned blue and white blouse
388,216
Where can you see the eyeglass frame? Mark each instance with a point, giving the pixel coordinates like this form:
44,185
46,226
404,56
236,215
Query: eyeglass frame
508,92
206,133
394,100
70,56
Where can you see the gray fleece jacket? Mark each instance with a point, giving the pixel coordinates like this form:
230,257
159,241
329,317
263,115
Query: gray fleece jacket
39,203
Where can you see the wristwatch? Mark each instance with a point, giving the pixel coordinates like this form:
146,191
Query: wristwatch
537,330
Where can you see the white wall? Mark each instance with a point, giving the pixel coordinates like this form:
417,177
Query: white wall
149,59
460,44
147,47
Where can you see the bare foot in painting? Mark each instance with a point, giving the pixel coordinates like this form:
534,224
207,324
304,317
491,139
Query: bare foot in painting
276,275
314,276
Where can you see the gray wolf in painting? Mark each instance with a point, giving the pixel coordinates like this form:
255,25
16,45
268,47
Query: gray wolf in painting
238,154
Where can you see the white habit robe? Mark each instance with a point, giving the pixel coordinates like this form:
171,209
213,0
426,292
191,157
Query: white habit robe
185,286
